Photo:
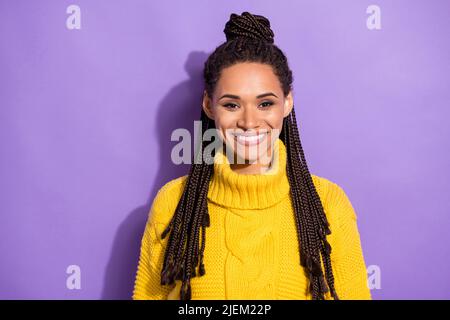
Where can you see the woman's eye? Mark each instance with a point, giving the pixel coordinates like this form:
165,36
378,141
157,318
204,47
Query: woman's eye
267,104
230,105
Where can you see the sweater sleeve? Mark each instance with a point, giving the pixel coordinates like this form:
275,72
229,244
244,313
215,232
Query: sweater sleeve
147,284
349,267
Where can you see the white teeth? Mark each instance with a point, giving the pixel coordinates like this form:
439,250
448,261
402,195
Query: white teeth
253,138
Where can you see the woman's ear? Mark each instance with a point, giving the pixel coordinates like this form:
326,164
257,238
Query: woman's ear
207,105
288,104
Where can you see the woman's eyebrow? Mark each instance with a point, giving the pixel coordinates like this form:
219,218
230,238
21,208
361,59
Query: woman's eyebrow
232,96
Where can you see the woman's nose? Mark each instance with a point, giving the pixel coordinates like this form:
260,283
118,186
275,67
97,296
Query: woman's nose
248,120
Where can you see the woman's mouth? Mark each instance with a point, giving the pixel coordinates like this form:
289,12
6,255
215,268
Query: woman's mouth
250,139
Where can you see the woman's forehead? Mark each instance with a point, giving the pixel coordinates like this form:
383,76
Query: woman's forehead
247,80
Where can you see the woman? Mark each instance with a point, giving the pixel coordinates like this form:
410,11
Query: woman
274,231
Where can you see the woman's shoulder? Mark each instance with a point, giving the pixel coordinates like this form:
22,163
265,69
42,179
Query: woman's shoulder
323,185
166,200
173,186
334,198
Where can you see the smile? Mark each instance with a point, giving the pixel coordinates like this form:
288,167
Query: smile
250,140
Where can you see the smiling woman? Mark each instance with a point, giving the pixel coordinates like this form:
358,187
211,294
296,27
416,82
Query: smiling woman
275,231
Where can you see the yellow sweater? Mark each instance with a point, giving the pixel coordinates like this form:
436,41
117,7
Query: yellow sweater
251,247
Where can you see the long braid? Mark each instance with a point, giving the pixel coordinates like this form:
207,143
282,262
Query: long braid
323,229
313,264
182,254
193,237
293,176
305,212
172,266
249,38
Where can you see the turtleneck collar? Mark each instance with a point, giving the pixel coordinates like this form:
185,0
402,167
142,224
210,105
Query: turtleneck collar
249,191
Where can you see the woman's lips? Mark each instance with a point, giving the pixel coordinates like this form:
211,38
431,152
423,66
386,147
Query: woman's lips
250,140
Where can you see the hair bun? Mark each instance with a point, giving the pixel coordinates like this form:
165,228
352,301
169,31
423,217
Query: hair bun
248,25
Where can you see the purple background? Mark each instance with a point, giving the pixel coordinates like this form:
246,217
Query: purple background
86,117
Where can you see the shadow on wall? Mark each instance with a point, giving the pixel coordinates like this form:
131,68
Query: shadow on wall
179,109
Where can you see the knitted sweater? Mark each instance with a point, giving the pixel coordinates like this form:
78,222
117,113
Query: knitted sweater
251,248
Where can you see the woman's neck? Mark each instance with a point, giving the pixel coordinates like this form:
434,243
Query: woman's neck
249,168
249,191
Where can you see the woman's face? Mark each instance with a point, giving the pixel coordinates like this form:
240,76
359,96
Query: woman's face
248,107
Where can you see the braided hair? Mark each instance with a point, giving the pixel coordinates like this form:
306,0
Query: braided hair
249,39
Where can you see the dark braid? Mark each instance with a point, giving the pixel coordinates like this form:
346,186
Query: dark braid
185,228
249,39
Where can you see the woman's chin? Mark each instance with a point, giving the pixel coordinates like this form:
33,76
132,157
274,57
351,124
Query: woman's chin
245,159
247,155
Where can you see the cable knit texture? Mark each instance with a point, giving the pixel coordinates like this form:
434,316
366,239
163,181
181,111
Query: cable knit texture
252,249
